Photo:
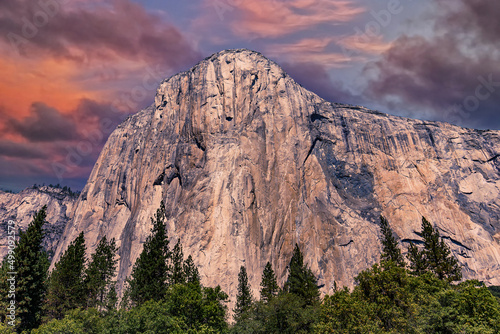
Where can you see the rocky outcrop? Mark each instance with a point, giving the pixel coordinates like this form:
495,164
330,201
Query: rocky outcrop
21,207
249,163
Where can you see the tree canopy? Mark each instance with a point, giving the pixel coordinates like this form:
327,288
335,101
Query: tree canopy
435,257
301,281
151,271
390,247
24,271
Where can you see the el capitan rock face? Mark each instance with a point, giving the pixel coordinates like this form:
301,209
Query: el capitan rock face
249,163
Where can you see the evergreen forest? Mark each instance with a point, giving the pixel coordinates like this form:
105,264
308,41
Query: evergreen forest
419,292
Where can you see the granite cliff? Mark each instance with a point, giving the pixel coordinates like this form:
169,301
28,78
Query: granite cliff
249,163
20,207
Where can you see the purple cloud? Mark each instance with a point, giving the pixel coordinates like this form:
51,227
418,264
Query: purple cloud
452,76
119,29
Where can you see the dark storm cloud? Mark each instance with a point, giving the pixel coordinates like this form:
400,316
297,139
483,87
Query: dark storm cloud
452,76
20,150
44,124
115,29
67,145
480,16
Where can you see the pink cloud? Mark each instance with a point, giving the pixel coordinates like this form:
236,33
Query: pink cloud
272,19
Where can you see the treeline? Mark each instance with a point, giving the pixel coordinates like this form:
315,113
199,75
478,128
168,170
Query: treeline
390,297
164,294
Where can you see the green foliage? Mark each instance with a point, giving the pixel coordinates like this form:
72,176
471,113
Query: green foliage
197,306
466,308
99,274
152,317
178,275
190,271
438,254
111,298
66,289
187,308
76,321
30,262
387,298
418,265
388,291
269,286
150,273
292,310
390,300
244,297
390,248
301,280
495,291
214,308
6,329
435,257
285,313
343,312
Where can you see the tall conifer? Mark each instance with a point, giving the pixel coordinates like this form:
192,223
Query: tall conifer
269,286
100,272
151,271
244,296
390,249
438,255
435,257
66,290
178,275
418,265
191,271
301,281
27,270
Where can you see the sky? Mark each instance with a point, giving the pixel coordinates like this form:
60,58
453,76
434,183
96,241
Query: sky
72,70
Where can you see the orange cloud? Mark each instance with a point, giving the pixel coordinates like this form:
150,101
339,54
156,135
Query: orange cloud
26,81
271,19
365,44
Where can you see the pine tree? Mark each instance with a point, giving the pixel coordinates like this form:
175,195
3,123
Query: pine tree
100,272
418,265
438,255
111,298
66,290
244,297
190,271
301,281
151,271
178,274
29,264
390,251
269,286
435,257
